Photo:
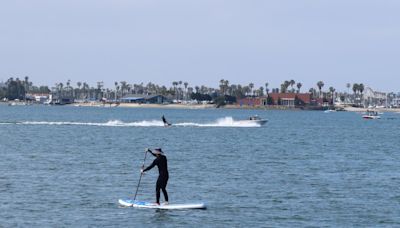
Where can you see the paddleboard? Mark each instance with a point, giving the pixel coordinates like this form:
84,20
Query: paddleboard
142,204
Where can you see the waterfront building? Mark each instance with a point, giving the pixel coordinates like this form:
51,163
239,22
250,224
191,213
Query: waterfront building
145,99
60,98
38,97
290,100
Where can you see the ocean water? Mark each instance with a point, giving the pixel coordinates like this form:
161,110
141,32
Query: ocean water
68,166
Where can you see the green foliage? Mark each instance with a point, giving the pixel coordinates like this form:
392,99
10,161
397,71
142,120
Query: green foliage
223,100
15,89
220,101
41,89
3,92
200,97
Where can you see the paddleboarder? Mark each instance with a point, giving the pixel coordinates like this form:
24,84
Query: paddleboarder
161,162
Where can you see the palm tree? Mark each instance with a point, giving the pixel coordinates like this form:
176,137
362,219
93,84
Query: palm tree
348,85
186,85
124,87
261,91
116,90
266,88
332,90
189,91
355,89
175,84
221,86
226,86
79,84
61,88
99,90
361,89
251,86
68,88
299,85
246,89
26,84
87,90
312,91
320,84
284,86
180,90
292,83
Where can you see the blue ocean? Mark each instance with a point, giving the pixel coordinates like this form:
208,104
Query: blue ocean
65,166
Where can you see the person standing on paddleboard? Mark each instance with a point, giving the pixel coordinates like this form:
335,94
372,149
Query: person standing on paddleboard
161,162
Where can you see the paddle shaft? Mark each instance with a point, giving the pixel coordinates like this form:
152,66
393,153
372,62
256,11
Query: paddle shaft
141,174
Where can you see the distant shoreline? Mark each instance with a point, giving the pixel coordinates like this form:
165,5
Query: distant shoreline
211,106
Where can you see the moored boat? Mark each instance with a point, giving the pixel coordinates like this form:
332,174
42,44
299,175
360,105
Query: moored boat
371,115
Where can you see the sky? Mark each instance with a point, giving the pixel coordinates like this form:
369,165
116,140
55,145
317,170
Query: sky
201,42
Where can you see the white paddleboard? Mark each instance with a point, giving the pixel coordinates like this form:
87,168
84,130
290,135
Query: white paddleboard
142,204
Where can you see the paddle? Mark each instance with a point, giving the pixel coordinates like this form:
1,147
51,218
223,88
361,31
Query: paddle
141,174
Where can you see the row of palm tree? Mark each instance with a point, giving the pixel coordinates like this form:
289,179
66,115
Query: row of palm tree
180,90
285,86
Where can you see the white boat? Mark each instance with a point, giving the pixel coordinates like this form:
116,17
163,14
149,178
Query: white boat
255,119
371,115
330,110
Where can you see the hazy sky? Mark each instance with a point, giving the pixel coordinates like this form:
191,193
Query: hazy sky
202,41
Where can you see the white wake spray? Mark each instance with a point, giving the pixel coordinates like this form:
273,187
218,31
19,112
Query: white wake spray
223,122
111,123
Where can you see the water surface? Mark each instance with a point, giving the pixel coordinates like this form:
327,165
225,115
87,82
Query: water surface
68,166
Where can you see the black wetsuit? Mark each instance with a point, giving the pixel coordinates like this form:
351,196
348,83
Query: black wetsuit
165,121
161,163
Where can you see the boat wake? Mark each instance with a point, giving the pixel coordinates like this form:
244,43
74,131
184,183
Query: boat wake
223,122
111,123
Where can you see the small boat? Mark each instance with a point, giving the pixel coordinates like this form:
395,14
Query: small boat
330,110
255,119
371,115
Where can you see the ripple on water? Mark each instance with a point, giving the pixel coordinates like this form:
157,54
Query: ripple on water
301,169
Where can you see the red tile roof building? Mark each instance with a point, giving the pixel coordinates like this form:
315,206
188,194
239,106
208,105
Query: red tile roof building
283,99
